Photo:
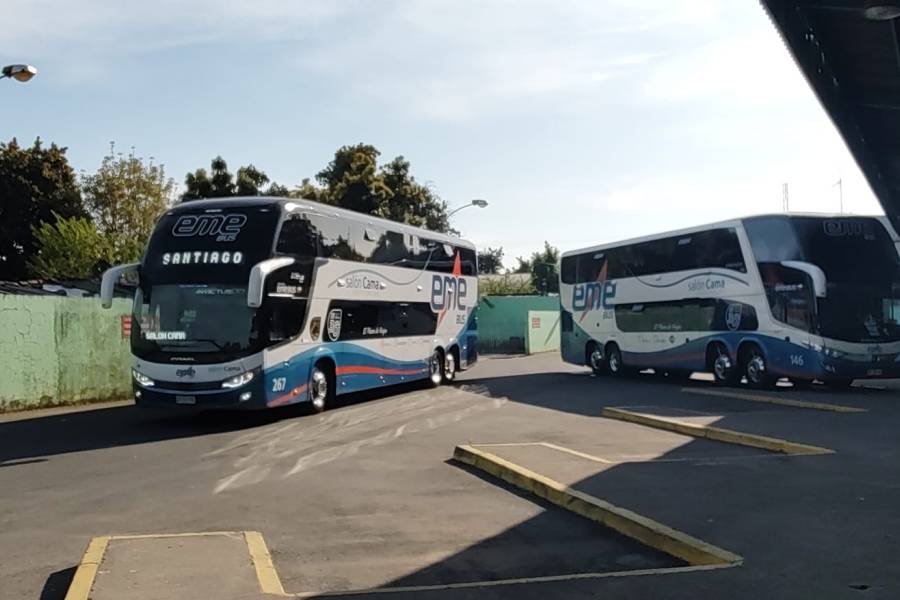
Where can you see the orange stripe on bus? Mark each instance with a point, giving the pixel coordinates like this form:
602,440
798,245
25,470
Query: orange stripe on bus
288,397
376,370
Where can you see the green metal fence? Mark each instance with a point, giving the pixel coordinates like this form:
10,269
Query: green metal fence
504,324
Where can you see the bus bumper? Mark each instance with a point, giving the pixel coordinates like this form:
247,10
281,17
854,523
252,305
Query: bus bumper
852,369
249,397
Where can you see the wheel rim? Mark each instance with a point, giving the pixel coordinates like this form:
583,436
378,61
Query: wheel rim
755,369
450,367
596,360
318,389
436,368
722,365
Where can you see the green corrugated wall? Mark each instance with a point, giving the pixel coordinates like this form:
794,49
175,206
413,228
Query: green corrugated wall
58,350
503,321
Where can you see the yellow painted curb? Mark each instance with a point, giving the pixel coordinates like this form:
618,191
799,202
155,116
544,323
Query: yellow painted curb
715,433
269,583
83,581
647,531
838,408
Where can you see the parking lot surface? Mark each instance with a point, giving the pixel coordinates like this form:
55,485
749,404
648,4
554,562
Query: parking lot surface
366,496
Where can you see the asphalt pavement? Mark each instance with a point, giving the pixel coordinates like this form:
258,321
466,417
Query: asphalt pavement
366,496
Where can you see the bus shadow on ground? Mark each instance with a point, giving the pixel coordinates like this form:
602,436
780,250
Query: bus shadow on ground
28,441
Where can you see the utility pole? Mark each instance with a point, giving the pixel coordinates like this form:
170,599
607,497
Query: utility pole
784,197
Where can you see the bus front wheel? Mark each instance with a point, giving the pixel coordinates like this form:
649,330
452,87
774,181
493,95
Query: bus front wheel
321,387
838,383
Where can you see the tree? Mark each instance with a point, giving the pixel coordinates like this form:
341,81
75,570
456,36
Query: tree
70,247
544,273
353,180
125,197
219,182
490,261
524,265
35,182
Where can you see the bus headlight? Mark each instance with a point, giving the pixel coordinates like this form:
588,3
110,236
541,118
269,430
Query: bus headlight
141,378
238,380
834,353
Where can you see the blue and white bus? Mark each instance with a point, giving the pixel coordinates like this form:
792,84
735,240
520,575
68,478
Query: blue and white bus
263,302
804,297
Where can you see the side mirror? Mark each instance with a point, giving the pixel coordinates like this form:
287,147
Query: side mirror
816,274
110,278
258,274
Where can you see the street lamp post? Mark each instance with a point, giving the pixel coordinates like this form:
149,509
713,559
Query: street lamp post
476,202
18,72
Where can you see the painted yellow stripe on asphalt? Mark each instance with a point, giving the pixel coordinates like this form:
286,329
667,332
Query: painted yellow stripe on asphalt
715,433
513,581
83,581
839,408
269,582
647,531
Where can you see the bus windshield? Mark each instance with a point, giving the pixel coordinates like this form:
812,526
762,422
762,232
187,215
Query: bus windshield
208,323
861,265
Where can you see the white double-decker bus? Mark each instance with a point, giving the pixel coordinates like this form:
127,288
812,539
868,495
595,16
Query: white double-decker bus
805,297
262,302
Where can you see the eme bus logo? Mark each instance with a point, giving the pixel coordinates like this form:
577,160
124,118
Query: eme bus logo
225,227
448,293
591,296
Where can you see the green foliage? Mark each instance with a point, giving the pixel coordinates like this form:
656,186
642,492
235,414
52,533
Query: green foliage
353,180
70,248
524,265
490,261
544,270
35,182
125,197
219,182
509,284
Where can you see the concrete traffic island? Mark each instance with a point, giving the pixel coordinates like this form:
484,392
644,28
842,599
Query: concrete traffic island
144,567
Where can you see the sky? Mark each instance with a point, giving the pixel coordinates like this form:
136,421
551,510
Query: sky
579,122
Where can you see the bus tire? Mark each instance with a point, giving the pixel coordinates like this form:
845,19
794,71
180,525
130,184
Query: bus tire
594,358
755,368
614,364
321,386
436,368
719,362
451,362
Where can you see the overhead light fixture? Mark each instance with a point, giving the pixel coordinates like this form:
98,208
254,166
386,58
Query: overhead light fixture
881,10
19,72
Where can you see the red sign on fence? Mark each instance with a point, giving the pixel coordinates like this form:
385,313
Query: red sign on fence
535,322
126,326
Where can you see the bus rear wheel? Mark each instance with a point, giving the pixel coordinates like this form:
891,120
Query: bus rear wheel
756,369
614,363
720,364
595,359
436,368
449,367
321,387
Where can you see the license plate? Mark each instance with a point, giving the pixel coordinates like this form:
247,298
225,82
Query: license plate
185,399
874,372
